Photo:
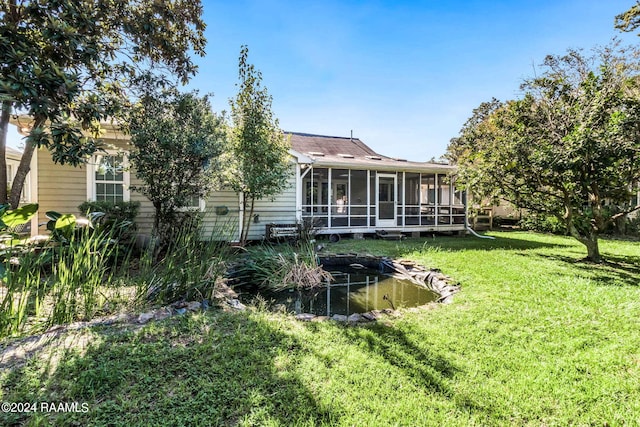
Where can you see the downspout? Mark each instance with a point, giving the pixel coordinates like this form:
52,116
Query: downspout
466,219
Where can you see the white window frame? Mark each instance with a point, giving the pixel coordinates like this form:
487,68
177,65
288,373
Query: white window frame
92,166
200,208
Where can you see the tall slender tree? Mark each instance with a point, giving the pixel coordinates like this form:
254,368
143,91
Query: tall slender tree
260,151
65,64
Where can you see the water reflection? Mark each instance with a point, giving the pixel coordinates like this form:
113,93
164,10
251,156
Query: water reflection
356,292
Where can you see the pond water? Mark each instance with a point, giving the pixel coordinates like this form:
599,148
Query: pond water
355,291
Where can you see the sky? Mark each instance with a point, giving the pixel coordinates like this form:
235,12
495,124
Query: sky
403,76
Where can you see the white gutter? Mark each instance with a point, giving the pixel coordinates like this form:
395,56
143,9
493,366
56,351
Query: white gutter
466,219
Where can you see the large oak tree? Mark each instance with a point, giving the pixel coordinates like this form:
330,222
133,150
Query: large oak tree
569,147
66,64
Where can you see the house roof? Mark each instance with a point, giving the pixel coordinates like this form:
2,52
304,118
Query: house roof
335,151
12,153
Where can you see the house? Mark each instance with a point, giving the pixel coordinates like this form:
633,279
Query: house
338,184
343,186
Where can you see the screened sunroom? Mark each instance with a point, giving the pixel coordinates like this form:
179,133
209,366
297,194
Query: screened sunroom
343,199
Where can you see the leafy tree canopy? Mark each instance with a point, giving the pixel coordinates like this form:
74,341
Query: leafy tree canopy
176,142
569,147
628,20
65,63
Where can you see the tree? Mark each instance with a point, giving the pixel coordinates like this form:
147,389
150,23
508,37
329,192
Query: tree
570,147
628,20
260,151
176,144
65,63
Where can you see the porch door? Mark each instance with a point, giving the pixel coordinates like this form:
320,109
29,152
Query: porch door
386,200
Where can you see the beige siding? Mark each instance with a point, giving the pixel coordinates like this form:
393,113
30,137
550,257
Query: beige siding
281,210
64,188
60,188
218,225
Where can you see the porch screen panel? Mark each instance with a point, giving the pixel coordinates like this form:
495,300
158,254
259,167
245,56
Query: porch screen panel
386,197
315,188
412,199
457,210
444,200
358,198
400,213
372,198
427,199
339,197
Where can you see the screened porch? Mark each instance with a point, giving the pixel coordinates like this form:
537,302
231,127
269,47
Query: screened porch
354,200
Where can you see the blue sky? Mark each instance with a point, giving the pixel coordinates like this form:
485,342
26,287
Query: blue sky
403,75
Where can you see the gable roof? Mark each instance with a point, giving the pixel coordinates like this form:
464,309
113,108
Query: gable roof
329,145
352,152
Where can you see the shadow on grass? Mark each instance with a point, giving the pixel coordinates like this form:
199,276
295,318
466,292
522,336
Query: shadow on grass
521,241
427,369
616,270
409,356
200,370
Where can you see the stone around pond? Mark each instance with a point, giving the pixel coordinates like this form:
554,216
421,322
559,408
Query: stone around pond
339,317
354,318
162,313
194,305
305,317
145,317
234,303
371,315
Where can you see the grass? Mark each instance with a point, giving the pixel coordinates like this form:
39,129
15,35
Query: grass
535,337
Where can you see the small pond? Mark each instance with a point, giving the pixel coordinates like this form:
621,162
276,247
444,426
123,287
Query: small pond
354,291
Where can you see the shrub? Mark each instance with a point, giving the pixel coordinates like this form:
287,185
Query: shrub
189,267
117,216
543,223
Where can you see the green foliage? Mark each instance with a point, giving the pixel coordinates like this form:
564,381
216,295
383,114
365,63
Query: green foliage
118,217
628,20
80,268
177,142
543,223
281,267
57,283
566,147
14,217
259,157
189,268
67,63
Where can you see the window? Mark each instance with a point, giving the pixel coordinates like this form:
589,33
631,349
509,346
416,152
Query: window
108,178
195,204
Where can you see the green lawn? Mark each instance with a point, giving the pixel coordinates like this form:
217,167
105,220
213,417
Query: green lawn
535,337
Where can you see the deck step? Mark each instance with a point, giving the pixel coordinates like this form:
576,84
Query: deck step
389,235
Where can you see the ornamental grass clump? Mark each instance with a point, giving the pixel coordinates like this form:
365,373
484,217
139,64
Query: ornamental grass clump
189,268
277,268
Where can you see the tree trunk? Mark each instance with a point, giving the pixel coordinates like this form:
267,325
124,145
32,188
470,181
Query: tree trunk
4,129
23,168
593,250
247,222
